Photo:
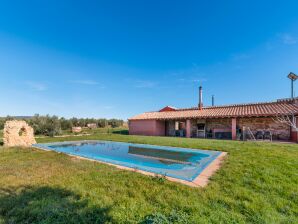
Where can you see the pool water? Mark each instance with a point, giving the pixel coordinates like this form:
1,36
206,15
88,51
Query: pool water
181,163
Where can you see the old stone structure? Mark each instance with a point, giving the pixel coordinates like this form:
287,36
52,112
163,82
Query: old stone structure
76,129
18,133
92,125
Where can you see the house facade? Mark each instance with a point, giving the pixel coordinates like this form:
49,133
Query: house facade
236,122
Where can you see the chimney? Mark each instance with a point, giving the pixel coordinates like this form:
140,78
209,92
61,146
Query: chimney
212,100
200,98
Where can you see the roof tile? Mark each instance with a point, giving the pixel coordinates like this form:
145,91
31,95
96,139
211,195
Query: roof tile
240,110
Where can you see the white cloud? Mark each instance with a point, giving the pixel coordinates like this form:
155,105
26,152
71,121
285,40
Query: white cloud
85,82
37,86
289,39
88,83
190,80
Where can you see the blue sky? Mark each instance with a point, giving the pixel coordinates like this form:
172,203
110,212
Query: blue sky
121,58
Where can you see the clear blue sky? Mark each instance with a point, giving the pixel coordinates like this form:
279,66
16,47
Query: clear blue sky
120,58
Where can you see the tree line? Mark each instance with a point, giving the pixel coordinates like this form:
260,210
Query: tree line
53,125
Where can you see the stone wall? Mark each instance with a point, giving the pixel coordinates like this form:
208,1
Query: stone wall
219,123
194,127
92,125
18,133
279,131
170,128
76,129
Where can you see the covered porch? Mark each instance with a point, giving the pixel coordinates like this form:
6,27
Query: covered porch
257,128
203,128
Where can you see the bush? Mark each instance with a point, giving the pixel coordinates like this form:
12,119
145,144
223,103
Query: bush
3,120
114,123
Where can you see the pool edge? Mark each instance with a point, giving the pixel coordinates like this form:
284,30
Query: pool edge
203,178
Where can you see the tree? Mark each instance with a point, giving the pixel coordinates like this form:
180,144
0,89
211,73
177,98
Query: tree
65,124
115,123
52,125
101,123
45,125
289,120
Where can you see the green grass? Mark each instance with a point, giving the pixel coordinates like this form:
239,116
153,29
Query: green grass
120,130
258,183
87,131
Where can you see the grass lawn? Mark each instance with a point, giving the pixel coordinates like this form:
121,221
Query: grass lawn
258,183
120,130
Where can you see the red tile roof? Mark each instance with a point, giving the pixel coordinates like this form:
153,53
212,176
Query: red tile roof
168,108
284,107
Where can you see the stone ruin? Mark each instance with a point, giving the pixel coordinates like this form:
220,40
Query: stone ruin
76,129
18,133
92,125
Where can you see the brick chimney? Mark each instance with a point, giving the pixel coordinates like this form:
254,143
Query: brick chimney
200,98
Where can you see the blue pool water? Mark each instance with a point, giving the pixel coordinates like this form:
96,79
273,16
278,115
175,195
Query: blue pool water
181,163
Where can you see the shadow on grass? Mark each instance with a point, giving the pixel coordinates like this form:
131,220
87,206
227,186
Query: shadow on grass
121,132
173,217
48,205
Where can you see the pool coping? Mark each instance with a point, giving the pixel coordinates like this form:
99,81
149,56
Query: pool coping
200,181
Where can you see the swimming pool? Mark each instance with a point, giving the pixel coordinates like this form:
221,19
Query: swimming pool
181,163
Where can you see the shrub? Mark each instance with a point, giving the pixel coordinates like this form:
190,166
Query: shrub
3,120
115,123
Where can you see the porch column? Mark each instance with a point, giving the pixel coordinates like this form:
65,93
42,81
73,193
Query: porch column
188,129
294,133
234,134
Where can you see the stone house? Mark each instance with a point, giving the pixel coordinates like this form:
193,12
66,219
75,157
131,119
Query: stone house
92,125
239,121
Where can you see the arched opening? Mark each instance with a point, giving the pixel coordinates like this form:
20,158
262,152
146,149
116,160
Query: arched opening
22,132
